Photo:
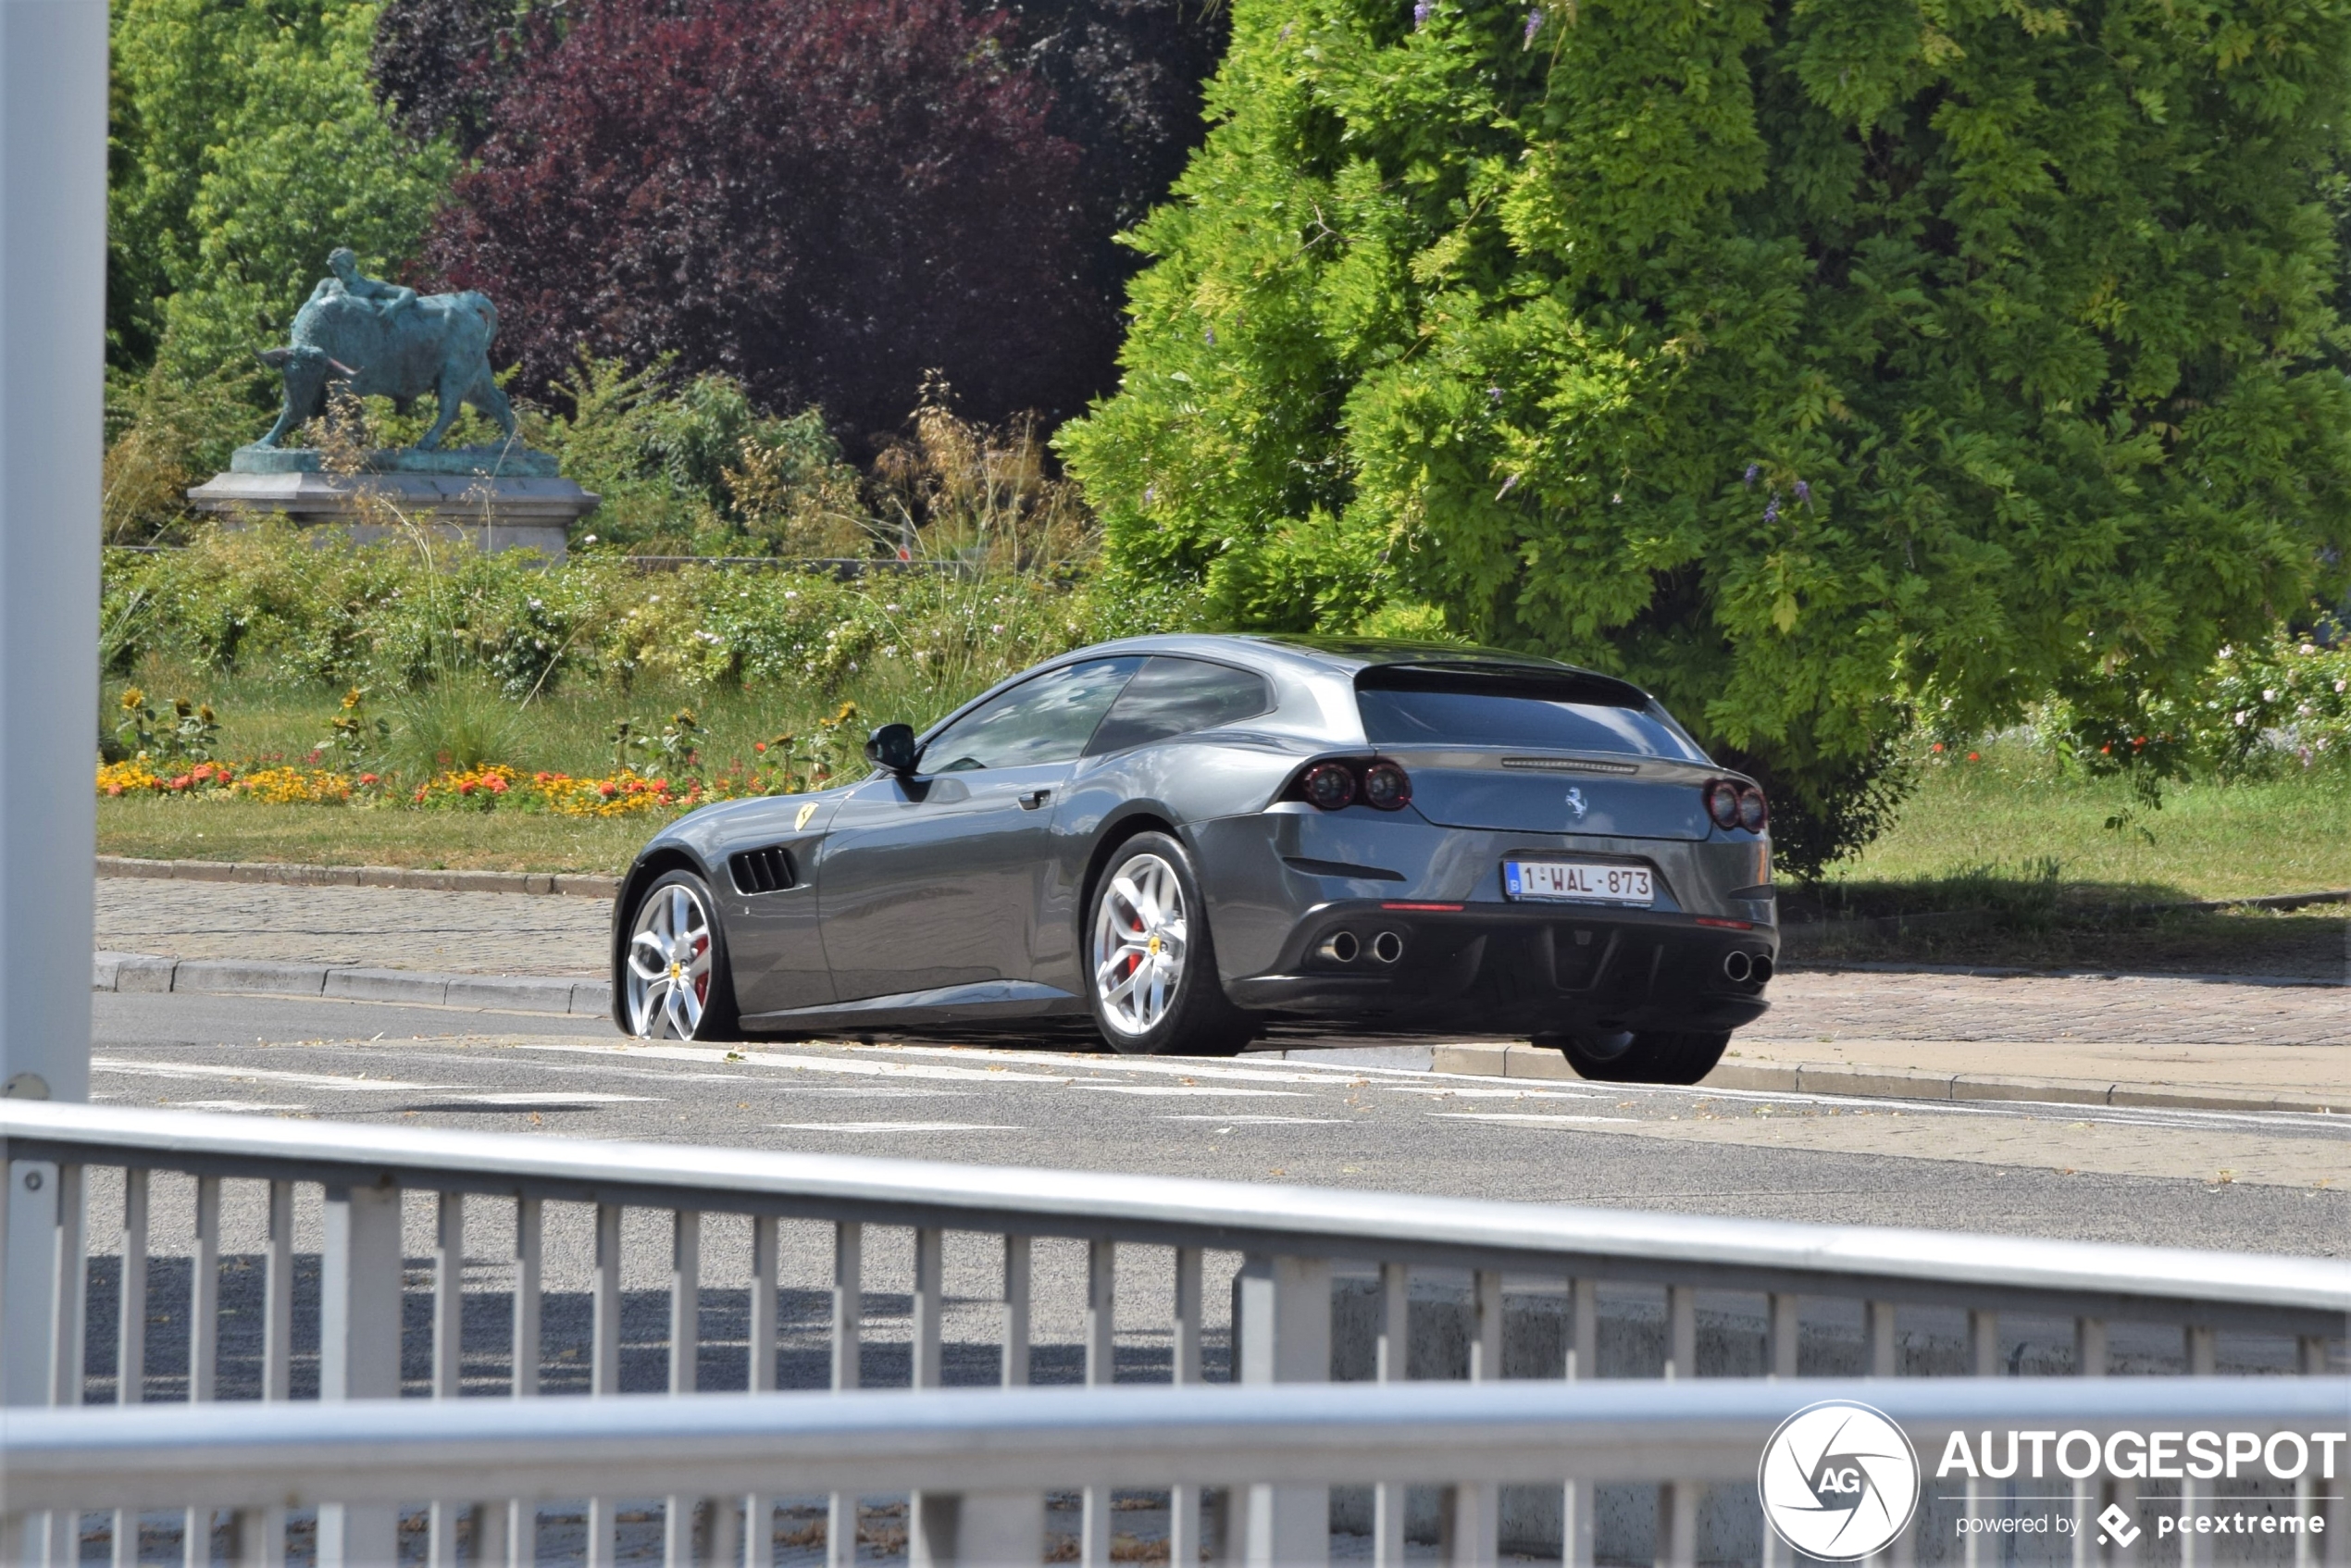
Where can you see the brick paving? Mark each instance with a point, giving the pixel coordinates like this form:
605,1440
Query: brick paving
2144,1010
379,927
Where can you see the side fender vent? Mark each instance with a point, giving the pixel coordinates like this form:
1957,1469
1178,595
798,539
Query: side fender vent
764,871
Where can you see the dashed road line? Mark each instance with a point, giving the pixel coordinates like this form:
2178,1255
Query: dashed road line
1264,1121
896,1127
342,1083
1525,1118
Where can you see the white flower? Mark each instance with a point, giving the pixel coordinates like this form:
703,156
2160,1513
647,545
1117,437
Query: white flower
2340,685
2269,693
2309,648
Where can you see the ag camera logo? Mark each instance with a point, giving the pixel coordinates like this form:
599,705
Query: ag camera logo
1839,1481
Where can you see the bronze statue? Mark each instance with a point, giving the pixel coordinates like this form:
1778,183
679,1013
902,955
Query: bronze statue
377,339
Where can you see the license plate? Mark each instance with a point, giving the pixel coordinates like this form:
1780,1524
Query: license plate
1580,882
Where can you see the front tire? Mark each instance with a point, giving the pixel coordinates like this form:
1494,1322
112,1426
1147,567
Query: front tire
675,982
1661,1056
1150,966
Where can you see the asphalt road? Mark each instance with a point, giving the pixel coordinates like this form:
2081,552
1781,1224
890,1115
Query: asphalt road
2256,1182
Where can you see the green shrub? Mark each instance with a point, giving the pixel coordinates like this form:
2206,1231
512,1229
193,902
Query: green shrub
267,602
2287,697
1816,365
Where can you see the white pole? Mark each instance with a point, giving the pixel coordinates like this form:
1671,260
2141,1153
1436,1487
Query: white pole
53,268
53,263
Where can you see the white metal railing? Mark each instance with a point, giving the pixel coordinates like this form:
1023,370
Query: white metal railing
981,1463
1798,1285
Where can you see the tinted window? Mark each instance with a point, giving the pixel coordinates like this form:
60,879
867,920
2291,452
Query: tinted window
1175,697
1403,707
1047,720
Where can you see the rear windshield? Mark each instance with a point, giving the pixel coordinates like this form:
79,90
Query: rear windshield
1409,705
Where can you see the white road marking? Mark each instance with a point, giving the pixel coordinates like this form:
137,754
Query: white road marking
1490,1093
1186,1067
552,1098
1524,1118
230,1105
1163,1089
867,1092
1264,1121
339,1082
791,1062
895,1126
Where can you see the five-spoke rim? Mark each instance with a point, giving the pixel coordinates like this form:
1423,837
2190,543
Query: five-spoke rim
1139,942
669,958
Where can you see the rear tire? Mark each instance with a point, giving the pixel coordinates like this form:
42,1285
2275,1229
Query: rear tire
1663,1056
1150,967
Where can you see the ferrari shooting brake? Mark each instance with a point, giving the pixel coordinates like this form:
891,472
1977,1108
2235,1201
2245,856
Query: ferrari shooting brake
1182,839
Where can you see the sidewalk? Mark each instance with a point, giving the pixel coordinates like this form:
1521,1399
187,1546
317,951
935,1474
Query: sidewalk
2094,1040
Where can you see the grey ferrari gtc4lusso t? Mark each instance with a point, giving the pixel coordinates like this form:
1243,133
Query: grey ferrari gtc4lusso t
1181,839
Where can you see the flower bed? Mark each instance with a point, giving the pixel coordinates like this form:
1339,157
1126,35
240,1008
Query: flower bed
492,788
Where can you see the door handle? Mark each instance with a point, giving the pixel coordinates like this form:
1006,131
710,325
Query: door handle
1034,799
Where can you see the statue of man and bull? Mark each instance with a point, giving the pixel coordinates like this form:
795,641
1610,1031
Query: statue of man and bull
371,338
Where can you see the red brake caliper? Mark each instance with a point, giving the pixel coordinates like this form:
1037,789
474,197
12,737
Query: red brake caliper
701,982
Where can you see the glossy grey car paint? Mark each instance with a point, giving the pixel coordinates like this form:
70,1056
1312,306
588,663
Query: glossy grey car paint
958,899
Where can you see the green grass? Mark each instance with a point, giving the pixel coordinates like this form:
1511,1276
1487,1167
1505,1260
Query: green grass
2005,861
1996,819
570,731
156,829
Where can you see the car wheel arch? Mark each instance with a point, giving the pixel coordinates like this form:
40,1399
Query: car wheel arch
1108,840
651,866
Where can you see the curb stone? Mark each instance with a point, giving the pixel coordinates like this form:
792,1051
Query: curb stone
291,876
578,995
1510,1061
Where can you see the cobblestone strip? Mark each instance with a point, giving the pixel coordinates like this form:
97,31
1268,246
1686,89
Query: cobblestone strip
355,927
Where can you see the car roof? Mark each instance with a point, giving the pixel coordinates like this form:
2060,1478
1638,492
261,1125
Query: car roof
1320,670
1342,655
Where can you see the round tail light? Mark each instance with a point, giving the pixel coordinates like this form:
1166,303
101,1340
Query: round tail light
1755,812
1387,786
1330,785
1723,802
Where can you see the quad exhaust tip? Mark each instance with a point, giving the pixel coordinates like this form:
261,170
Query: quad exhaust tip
1740,968
1343,947
1387,947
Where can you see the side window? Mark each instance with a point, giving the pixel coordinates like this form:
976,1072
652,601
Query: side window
1176,696
1047,720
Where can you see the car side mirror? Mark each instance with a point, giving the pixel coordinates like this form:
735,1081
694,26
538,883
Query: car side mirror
891,749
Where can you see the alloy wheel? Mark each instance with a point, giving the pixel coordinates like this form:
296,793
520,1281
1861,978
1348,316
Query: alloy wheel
669,965
1140,944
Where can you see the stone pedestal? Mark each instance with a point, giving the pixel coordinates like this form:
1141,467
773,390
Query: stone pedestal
493,498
